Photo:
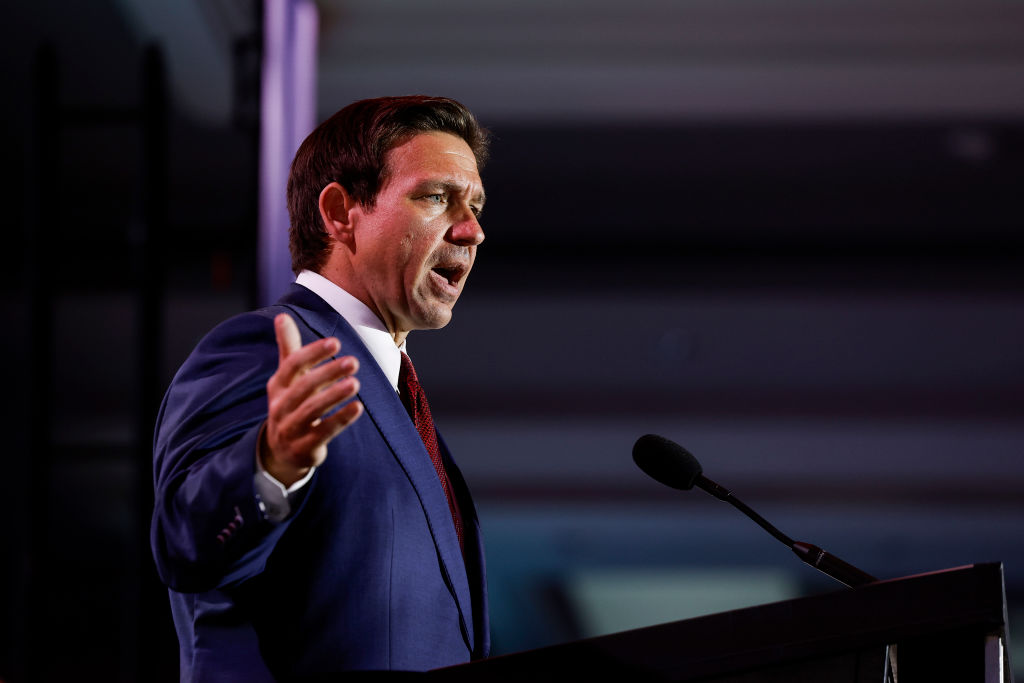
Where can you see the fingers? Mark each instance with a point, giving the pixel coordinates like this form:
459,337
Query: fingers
293,358
301,388
316,438
296,410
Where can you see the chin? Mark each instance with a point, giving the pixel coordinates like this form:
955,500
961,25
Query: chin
439,322
433,319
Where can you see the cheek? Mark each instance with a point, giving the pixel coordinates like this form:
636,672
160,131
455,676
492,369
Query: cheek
418,246
406,246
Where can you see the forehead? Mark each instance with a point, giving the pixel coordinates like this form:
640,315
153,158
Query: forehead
433,156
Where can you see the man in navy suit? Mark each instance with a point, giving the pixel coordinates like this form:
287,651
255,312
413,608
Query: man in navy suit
308,518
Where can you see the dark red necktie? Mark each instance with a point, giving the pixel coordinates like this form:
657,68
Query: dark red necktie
415,401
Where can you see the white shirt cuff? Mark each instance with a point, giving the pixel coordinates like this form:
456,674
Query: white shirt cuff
272,495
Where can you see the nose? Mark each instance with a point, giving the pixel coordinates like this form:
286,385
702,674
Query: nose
467,231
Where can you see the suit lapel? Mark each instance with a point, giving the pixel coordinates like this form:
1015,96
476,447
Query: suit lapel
385,409
474,564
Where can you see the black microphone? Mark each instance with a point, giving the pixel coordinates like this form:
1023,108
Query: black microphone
672,465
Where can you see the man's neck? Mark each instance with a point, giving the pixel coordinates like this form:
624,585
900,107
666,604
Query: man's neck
338,277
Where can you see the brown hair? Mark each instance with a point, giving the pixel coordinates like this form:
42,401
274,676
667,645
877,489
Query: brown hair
350,148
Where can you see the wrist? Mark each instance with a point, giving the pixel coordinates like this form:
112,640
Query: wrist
284,472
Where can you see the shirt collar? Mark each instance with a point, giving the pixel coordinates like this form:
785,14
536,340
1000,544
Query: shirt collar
367,325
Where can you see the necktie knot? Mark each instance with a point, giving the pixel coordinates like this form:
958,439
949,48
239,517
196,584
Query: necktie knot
411,390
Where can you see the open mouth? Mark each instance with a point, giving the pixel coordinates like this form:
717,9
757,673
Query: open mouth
451,274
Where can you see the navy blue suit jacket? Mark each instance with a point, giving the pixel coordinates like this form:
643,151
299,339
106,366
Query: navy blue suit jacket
366,573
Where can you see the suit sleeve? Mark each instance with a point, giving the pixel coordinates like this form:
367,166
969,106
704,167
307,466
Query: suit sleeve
208,529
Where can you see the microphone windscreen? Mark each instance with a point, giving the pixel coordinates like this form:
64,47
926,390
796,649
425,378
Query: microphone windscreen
666,461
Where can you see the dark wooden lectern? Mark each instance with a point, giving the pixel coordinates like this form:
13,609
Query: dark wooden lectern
947,626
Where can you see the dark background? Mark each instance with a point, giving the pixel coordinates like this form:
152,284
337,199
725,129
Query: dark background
787,236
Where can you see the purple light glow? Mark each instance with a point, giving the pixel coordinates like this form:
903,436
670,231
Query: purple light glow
287,107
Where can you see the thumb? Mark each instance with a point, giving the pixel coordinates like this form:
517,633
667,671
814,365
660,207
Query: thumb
288,338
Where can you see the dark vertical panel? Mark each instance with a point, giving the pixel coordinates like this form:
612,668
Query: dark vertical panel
41,307
248,64
154,633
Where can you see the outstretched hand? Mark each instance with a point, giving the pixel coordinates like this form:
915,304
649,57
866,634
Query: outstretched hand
299,395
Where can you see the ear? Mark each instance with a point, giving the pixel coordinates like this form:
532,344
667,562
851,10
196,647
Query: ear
337,210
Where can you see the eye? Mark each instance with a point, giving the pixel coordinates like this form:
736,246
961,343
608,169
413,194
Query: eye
436,198
477,210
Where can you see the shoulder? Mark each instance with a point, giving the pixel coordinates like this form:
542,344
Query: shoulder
251,327
240,353
240,338
253,331
230,365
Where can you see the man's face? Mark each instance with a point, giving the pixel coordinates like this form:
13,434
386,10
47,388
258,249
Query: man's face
415,248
